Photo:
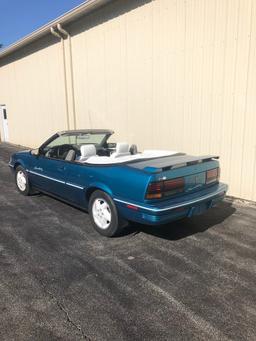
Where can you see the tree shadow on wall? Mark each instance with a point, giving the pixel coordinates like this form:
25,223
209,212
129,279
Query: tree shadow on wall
109,11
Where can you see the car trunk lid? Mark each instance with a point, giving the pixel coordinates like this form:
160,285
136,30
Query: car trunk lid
160,164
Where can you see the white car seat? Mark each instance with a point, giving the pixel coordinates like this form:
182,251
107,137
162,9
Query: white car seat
71,155
87,150
122,149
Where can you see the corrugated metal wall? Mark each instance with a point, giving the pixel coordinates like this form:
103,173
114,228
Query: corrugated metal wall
177,75
32,87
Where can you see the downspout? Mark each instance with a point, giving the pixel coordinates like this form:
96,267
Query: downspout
56,34
65,33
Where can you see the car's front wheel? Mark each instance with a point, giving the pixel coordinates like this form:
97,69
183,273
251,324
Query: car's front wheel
104,215
22,182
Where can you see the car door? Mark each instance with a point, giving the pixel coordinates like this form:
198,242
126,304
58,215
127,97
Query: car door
77,180
48,175
48,166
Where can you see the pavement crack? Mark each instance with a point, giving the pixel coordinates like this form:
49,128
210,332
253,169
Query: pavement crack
69,319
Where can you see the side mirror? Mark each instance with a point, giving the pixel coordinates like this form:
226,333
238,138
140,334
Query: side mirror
35,152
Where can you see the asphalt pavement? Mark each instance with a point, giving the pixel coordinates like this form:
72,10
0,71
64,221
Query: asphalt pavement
60,280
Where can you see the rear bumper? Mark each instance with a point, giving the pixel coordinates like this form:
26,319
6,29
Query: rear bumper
161,213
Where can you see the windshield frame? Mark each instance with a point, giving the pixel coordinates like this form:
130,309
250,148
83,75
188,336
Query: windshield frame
106,134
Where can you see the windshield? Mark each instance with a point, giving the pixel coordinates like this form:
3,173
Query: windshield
59,146
78,139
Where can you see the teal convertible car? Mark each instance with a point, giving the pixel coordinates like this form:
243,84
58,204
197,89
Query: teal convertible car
115,183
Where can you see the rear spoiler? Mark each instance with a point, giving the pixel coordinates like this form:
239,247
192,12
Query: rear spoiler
167,163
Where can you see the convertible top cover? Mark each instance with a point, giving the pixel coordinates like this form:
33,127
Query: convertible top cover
171,162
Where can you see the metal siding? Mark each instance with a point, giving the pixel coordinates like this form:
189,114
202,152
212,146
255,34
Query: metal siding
164,74
178,75
32,89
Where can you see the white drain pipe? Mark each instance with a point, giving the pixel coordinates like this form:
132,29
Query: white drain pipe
86,7
65,33
57,35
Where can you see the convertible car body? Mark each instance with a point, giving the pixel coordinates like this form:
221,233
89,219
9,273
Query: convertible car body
115,182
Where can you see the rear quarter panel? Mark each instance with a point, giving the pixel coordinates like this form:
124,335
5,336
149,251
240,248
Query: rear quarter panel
118,181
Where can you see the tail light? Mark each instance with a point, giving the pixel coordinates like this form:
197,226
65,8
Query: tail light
212,175
166,188
160,189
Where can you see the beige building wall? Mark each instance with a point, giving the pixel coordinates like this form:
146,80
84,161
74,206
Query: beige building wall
32,87
166,74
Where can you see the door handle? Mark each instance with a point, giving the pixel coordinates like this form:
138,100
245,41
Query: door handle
61,168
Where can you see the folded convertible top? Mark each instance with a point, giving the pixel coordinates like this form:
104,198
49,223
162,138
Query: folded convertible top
170,162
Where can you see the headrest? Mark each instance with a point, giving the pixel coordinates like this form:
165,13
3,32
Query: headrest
88,150
122,147
133,149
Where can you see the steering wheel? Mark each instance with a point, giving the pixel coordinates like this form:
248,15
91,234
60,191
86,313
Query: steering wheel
51,152
64,149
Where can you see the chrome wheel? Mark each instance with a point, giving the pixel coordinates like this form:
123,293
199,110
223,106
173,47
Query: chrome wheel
21,180
101,213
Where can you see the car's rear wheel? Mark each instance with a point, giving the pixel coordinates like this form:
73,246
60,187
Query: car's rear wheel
104,215
22,181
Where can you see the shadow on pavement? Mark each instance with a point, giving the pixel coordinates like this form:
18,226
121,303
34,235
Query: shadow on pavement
185,227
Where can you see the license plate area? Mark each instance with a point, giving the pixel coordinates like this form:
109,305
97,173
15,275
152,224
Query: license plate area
195,182
198,209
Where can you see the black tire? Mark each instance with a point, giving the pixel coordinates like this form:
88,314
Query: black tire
115,224
27,188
